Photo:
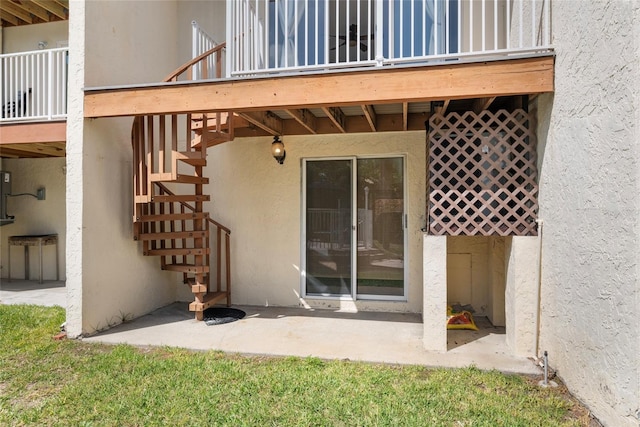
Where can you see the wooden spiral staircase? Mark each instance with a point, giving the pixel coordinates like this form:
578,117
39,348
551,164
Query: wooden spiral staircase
169,156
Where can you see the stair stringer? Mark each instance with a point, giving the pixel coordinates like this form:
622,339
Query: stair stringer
169,198
173,225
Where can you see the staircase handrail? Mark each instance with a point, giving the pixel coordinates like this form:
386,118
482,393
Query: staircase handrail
191,208
185,67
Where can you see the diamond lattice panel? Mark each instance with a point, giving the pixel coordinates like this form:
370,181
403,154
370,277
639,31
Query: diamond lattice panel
482,174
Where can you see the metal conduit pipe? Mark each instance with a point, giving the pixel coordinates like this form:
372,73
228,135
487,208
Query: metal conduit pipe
539,290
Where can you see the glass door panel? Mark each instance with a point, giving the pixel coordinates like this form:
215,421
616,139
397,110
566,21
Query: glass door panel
380,231
328,202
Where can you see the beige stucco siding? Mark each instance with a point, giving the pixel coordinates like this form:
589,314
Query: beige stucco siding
589,188
260,201
108,279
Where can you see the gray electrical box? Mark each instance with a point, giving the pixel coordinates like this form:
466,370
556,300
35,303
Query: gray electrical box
5,190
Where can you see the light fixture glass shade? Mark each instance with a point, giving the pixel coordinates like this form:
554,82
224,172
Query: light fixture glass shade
277,150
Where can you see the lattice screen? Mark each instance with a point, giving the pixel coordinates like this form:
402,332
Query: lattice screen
482,174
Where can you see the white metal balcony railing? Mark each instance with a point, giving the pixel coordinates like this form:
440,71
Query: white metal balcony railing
33,85
202,42
266,36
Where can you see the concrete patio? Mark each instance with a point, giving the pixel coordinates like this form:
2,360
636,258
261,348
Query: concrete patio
48,293
371,337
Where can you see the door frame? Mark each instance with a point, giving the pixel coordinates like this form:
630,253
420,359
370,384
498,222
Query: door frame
354,296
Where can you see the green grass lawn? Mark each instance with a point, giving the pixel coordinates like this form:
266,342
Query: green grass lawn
71,383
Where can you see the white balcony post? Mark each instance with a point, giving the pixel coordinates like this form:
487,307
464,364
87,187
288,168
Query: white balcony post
194,39
231,48
547,25
533,23
379,32
50,85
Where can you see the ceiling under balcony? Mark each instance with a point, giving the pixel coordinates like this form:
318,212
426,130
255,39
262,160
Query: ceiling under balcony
26,12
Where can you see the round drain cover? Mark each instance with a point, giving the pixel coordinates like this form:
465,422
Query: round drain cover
221,315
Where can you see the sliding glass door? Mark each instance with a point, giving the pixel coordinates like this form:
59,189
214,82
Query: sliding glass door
354,228
329,218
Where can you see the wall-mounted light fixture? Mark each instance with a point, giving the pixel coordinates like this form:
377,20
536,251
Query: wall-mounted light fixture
277,150
42,45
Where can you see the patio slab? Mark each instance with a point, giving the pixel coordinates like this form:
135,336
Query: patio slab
394,338
48,293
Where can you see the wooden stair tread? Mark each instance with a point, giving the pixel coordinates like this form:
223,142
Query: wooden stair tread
194,158
187,268
208,300
210,139
179,179
176,251
173,217
173,235
181,198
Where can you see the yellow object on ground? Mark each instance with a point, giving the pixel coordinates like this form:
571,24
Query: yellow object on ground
461,320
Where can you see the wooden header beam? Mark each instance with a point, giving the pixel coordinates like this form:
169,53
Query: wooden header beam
370,87
27,133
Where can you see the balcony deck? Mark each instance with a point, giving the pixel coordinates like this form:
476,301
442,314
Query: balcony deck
362,100
33,103
33,139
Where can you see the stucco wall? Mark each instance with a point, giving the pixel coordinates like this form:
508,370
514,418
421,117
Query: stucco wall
486,287
130,42
521,294
108,278
35,216
260,201
25,38
589,187
434,264
497,262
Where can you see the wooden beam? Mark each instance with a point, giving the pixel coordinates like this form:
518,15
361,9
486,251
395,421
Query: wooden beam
442,109
26,133
373,86
53,7
34,9
354,124
11,8
265,120
8,18
305,118
337,117
370,114
53,149
359,124
482,104
405,115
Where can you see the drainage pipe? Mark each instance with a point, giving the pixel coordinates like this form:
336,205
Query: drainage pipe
539,290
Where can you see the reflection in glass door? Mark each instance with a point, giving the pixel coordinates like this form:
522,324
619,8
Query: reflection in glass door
380,248
354,222
328,201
